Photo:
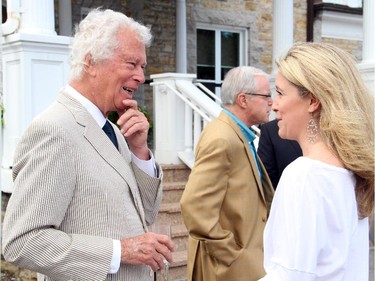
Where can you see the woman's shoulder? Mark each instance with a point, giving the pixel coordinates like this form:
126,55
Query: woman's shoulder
309,175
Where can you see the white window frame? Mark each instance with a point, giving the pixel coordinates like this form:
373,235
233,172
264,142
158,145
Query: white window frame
349,3
243,44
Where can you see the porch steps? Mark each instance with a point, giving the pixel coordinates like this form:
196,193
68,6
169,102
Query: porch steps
174,181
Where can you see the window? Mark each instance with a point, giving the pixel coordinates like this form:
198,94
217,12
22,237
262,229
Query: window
218,51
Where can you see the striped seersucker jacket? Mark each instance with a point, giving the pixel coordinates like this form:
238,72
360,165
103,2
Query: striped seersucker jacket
73,194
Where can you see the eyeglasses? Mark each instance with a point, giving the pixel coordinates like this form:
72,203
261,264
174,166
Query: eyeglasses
268,96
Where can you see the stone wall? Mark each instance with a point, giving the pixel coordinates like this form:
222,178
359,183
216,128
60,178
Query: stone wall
254,16
353,47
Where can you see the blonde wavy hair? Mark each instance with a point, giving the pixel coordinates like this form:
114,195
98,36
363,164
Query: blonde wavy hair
347,109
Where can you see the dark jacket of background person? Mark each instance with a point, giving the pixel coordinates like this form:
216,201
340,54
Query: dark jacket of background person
276,153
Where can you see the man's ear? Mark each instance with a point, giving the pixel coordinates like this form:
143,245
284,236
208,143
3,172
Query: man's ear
314,103
241,100
89,65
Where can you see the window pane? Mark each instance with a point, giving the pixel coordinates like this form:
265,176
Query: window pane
206,54
230,51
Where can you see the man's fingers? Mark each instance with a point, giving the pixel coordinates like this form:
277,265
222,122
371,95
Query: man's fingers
133,121
165,250
148,248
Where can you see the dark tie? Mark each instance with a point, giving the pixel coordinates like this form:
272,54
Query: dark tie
110,133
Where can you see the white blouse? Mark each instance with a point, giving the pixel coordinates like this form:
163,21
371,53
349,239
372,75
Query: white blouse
313,232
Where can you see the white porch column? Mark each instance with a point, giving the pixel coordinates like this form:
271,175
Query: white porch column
181,49
65,17
282,37
367,65
282,28
37,17
35,65
368,53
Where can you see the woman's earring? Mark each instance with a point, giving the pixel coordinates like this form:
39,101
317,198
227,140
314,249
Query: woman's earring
312,130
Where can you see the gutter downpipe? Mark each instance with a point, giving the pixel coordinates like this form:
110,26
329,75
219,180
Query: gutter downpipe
181,49
181,67
310,21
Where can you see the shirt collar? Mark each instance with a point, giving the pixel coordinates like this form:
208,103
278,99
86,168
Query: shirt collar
86,103
249,134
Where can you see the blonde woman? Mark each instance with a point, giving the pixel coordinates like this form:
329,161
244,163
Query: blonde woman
318,226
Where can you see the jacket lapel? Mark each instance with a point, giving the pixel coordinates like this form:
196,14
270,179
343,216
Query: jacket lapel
224,117
119,160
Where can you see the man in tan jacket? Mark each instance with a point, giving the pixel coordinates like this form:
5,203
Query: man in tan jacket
227,199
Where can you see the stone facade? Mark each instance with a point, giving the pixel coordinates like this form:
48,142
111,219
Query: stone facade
253,15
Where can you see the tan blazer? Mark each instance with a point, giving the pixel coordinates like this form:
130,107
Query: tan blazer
73,194
225,206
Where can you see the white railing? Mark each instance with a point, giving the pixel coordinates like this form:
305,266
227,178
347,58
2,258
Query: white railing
182,108
181,111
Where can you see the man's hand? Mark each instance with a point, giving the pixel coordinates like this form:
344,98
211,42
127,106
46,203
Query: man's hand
134,126
149,248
